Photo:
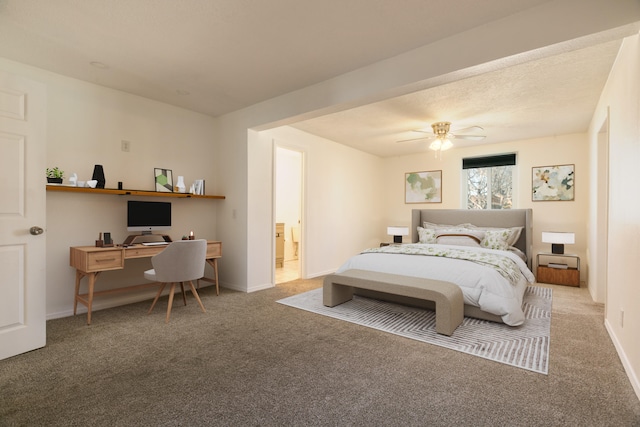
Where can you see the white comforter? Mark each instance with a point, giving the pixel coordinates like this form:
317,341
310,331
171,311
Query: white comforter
482,286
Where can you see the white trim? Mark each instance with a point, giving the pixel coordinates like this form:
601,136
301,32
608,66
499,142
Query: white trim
633,377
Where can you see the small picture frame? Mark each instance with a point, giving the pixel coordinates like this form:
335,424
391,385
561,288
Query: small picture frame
423,187
553,183
163,179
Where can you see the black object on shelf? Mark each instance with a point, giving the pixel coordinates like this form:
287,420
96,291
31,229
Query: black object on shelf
98,175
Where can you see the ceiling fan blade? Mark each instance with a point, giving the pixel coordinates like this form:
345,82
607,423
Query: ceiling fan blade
469,129
470,137
422,138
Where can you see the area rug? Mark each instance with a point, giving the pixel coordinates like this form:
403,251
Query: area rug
525,346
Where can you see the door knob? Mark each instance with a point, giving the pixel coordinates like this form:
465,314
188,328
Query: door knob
36,231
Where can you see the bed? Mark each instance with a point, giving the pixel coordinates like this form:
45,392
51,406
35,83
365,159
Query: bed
457,246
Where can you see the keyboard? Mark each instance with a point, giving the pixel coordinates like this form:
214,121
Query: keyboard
154,243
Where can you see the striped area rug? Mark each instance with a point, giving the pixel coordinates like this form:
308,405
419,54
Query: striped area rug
525,346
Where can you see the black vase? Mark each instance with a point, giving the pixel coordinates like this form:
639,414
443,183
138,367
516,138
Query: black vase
98,175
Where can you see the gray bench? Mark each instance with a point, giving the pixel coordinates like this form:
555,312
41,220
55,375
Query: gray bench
338,288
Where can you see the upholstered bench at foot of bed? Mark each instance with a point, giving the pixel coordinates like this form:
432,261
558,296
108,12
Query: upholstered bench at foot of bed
338,288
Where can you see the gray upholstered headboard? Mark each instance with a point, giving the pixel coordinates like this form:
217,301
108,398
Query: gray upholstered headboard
482,218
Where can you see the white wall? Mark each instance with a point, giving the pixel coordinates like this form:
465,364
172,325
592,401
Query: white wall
621,97
85,126
547,216
343,210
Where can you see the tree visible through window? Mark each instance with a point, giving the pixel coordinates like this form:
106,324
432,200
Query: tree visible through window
489,181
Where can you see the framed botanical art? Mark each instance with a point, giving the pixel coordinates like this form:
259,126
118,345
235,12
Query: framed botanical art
549,183
423,187
163,179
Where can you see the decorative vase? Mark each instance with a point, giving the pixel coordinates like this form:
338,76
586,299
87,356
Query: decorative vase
98,175
180,185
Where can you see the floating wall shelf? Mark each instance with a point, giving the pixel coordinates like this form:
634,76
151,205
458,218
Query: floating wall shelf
69,189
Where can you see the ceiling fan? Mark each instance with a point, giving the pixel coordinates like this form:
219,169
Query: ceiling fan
442,136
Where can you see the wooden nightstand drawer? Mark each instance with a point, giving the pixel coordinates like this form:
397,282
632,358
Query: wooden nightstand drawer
558,276
558,269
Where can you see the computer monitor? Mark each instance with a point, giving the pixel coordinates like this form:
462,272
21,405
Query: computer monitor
147,217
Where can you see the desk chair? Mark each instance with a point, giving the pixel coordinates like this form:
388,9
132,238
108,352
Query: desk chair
182,261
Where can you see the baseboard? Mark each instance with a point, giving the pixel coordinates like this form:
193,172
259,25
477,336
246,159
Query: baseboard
115,300
259,287
320,274
633,378
103,303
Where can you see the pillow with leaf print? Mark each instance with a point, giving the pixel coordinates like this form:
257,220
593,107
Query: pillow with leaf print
427,235
496,239
514,232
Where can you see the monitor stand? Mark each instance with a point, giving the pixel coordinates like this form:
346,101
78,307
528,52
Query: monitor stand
130,240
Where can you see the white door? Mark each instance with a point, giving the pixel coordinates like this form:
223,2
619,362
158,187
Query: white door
22,206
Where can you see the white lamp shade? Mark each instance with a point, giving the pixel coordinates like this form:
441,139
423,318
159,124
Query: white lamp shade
395,230
558,238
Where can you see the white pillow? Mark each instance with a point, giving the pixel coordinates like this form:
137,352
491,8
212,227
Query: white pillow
457,240
459,237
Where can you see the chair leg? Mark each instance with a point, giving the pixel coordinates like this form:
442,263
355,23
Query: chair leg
171,292
184,295
195,294
156,298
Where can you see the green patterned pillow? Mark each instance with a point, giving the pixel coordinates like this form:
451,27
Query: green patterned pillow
426,235
514,232
496,239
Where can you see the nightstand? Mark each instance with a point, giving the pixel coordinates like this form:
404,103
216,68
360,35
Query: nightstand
557,270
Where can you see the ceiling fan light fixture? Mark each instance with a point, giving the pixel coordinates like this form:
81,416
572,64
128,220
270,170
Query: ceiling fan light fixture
442,136
446,144
440,144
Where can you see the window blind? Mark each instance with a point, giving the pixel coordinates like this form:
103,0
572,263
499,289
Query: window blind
489,161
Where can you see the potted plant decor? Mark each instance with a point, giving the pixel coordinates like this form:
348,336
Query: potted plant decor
55,175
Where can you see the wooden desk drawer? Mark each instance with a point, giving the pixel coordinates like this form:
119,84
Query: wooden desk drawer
143,251
104,260
90,259
214,249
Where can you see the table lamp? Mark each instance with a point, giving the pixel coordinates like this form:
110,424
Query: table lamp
397,232
558,240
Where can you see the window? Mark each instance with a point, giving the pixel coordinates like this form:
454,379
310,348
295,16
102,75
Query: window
488,181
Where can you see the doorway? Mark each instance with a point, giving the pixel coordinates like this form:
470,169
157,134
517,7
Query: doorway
288,214
602,214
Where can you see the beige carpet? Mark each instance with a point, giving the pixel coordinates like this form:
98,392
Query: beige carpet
525,346
249,361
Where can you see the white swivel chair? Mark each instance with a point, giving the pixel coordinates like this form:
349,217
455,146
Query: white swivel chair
181,261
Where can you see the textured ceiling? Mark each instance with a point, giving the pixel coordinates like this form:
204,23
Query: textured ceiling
218,56
552,96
